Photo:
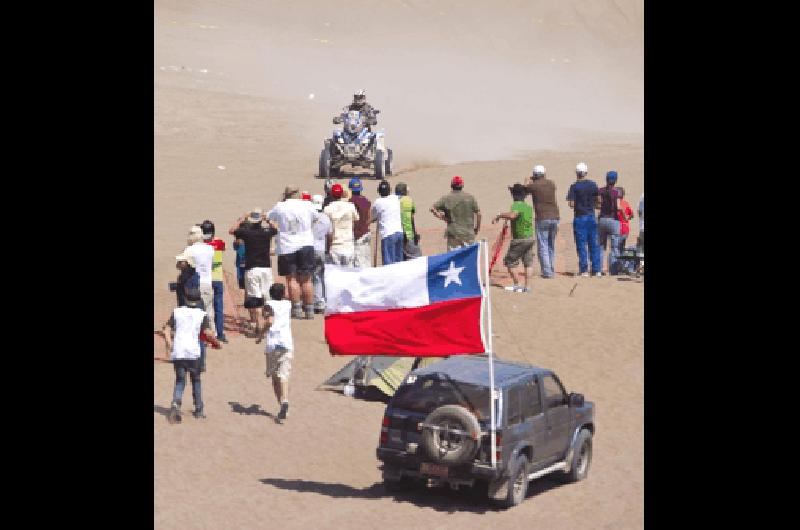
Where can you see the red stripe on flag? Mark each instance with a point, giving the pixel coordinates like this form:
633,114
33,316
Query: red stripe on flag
451,327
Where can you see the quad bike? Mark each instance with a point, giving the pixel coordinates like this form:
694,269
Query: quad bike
355,144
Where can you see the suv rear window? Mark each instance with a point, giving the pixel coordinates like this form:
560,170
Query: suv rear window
428,393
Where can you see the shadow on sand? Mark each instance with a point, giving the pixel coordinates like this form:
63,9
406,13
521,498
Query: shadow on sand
441,499
252,410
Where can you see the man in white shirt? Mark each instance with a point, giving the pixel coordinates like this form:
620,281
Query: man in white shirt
343,215
386,212
181,334
321,229
204,257
294,218
280,346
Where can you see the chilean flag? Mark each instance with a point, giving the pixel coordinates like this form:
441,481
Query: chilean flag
426,307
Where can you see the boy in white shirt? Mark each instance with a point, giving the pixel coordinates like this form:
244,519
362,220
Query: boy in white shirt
182,332
277,314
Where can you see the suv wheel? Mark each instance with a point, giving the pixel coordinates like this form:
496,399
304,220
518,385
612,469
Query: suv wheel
517,483
581,457
450,435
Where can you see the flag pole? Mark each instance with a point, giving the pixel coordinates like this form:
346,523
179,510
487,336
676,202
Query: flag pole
488,297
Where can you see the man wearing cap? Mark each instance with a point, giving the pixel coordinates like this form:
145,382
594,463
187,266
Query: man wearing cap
181,333
217,279
522,242
294,219
322,230
343,215
362,238
543,193
583,197
386,212
608,225
249,229
461,213
407,210
204,259
187,277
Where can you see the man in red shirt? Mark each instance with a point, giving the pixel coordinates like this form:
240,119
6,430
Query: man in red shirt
361,233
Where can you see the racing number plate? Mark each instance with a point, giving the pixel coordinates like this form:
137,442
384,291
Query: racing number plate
433,469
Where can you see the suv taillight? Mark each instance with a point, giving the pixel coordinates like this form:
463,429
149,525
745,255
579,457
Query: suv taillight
384,439
498,443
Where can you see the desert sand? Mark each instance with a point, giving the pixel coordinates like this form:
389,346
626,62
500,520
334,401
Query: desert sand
484,90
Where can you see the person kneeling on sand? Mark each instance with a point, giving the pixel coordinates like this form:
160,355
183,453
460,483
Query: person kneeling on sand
278,330
522,241
181,333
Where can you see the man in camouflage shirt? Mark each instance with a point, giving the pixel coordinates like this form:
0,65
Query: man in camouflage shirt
461,212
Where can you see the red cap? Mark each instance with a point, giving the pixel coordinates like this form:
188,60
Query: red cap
457,181
306,196
336,191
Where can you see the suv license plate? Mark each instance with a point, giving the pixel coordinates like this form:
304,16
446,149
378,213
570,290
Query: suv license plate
433,469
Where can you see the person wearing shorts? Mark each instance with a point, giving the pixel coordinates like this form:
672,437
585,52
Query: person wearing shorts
522,240
460,211
256,237
279,349
294,219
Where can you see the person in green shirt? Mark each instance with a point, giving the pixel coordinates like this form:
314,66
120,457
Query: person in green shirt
407,210
522,240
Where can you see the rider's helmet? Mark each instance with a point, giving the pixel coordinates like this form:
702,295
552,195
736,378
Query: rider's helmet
384,189
582,169
360,97
539,171
611,177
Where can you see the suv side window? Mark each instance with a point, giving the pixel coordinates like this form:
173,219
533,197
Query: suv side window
531,401
553,393
514,405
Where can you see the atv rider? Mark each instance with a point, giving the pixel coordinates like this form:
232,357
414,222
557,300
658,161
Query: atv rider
360,104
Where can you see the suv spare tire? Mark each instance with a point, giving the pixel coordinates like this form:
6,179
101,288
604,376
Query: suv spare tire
451,434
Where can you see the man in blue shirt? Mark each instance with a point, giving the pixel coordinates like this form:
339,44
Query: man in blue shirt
583,196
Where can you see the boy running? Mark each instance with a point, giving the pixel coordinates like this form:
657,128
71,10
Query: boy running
277,314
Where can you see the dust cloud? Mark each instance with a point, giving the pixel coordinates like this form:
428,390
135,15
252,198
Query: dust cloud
454,80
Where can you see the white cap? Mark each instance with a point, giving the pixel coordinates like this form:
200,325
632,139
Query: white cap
539,170
317,201
581,168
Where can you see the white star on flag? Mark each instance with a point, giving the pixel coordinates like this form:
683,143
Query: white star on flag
451,274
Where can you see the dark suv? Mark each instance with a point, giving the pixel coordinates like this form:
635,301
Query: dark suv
436,428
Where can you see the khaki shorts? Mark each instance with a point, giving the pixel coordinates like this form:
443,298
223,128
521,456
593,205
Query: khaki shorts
455,242
364,251
279,363
347,259
519,249
257,282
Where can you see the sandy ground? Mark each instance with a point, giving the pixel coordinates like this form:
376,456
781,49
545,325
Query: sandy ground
249,112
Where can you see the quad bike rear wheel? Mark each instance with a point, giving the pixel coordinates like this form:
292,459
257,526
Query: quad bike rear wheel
325,163
380,166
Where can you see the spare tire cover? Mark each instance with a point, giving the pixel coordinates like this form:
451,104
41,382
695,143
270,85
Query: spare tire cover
455,436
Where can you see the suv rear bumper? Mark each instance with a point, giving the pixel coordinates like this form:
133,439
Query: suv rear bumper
410,463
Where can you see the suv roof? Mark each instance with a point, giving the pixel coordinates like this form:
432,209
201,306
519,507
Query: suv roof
474,369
